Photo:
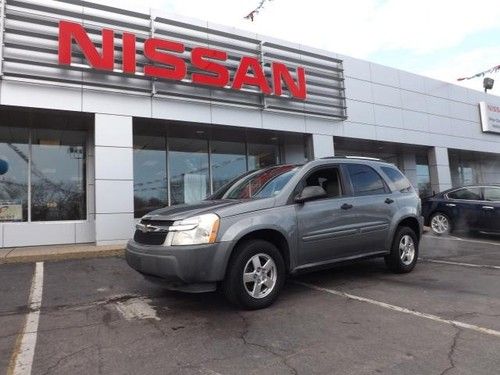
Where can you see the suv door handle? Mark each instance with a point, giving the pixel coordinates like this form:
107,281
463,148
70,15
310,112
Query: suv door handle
346,206
389,201
488,208
451,204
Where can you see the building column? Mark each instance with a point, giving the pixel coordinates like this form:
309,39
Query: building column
114,179
322,146
409,168
439,166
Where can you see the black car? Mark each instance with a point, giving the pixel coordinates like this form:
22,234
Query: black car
474,208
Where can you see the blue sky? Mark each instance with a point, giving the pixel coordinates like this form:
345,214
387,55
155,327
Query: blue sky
443,39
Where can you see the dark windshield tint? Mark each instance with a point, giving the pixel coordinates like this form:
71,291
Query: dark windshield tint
263,183
365,181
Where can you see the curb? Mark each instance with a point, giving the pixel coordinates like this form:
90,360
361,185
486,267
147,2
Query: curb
30,255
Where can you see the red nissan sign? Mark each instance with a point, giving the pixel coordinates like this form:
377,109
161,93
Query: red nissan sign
167,64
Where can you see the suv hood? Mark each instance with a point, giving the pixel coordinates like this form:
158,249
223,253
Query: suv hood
223,208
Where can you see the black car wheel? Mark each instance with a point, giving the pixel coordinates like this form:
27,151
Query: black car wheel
404,251
440,224
255,275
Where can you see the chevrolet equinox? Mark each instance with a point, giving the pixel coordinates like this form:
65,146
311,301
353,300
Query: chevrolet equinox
278,221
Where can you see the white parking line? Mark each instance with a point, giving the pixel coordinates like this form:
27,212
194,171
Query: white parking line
404,310
459,263
22,358
453,238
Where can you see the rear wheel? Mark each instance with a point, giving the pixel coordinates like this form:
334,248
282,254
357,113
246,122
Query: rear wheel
440,224
255,275
404,251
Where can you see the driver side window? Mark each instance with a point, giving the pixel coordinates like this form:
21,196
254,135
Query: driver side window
328,179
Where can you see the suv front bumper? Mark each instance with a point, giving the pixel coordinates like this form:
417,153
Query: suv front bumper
180,264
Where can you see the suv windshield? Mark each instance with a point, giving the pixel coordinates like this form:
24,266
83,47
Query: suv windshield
263,183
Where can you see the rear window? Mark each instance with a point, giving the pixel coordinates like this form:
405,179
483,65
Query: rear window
365,181
492,194
400,181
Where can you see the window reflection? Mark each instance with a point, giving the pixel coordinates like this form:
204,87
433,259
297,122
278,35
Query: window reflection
14,152
228,161
259,184
423,176
188,168
262,155
58,175
178,164
150,174
365,180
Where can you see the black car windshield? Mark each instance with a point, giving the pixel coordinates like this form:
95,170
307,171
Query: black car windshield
263,183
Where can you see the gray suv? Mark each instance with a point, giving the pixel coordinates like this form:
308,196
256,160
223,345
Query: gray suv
279,221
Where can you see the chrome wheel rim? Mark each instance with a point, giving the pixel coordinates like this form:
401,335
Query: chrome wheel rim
259,276
440,224
407,250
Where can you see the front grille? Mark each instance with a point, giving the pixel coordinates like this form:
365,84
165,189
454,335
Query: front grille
158,223
152,238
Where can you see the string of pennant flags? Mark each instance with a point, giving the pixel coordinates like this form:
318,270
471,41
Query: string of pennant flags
482,74
250,16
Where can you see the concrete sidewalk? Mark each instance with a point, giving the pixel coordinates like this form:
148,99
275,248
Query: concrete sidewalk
58,252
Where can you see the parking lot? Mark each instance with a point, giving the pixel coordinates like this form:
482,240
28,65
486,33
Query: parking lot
98,316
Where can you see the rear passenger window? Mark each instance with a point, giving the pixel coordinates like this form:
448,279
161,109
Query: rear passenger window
400,181
470,194
365,181
492,194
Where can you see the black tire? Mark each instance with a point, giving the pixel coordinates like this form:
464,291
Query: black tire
394,260
450,224
233,286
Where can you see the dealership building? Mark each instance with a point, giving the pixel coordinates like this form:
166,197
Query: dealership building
108,113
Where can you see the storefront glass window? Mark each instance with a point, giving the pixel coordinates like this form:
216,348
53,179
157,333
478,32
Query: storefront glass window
262,155
58,175
150,174
188,168
178,164
228,161
423,176
465,168
14,159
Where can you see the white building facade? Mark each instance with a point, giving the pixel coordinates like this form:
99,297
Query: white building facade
107,114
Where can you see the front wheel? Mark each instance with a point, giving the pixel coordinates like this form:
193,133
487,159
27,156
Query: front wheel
404,251
255,275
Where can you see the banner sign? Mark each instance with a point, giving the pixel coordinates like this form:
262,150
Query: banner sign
11,211
490,117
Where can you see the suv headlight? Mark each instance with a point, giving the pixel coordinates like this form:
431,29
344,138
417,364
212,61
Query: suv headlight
195,230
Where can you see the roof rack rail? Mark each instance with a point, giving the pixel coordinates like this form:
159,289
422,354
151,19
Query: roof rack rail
352,157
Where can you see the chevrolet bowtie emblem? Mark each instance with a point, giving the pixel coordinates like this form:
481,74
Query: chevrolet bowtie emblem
144,228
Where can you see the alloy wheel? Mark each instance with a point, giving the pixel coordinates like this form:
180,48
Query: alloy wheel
440,224
259,276
406,250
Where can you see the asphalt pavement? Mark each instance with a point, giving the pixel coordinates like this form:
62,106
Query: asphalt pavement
97,316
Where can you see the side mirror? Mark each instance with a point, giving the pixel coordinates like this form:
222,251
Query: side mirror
310,193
